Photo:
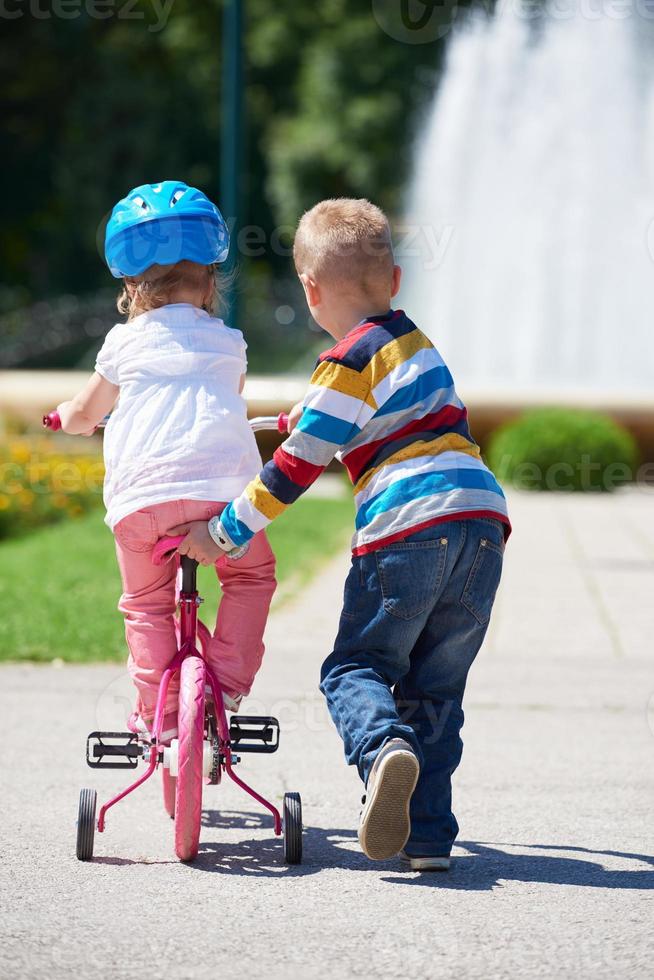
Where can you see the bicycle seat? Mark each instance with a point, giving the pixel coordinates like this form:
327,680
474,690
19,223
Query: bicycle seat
166,548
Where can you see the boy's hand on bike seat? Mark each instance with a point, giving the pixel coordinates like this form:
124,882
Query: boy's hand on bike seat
198,543
201,546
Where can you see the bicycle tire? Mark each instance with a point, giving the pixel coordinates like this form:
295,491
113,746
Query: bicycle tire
292,824
86,824
188,797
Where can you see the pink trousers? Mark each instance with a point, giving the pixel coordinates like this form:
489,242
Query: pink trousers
148,604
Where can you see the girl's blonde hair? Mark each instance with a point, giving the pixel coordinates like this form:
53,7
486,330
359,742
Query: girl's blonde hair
157,286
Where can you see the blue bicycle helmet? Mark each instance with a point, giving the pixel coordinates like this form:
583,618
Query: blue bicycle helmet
160,224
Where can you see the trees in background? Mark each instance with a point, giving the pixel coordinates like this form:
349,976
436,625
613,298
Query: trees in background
94,106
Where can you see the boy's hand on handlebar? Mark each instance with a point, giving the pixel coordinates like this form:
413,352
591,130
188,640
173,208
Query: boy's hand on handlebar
294,416
198,543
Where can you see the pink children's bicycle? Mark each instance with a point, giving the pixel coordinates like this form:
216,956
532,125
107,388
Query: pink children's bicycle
207,745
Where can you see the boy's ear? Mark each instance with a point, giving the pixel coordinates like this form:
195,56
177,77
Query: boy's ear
396,280
311,289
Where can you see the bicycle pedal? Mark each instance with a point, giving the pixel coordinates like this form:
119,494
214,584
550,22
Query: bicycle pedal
113,745
254,733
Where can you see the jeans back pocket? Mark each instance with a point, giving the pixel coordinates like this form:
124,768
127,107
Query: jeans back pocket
138,532
483,580
411,575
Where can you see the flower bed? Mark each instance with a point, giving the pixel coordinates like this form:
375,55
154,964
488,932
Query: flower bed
40,484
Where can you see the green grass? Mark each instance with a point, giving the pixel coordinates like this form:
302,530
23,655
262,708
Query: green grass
59,586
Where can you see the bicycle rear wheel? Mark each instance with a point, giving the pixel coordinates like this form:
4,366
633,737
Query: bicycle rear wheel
188,798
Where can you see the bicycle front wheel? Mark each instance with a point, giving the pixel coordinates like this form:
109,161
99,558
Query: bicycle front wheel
188,797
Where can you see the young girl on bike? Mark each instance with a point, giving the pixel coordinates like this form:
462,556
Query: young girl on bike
178,444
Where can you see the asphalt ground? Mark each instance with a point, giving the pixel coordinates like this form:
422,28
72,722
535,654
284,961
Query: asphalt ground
552,876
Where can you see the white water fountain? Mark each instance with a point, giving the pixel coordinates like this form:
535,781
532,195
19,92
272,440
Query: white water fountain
535,176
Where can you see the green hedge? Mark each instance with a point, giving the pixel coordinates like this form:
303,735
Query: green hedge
563,449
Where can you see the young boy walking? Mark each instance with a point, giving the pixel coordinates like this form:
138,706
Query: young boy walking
431,521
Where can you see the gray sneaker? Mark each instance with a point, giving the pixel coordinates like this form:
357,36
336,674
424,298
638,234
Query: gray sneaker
385,824
426,863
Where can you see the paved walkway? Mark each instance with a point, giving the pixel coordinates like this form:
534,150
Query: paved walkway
554,872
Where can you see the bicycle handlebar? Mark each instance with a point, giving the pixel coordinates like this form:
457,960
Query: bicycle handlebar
274,422
166,547
277,423
52,421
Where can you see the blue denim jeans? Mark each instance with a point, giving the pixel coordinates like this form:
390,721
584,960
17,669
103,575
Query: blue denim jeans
414,616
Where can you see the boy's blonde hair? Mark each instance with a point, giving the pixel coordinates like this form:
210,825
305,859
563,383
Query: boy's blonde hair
345,241
157,286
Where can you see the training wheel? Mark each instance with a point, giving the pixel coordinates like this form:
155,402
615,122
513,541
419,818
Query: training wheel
292,828
86,824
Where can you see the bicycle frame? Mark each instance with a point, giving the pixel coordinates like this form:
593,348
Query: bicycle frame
190,631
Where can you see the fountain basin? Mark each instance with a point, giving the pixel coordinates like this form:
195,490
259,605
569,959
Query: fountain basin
27,394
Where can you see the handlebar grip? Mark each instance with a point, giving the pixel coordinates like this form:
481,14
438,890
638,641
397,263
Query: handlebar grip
52,421
282,423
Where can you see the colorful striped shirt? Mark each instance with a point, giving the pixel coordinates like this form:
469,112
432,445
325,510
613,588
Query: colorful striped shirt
383,403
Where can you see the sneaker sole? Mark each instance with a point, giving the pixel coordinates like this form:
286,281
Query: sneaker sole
427,864
386,826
